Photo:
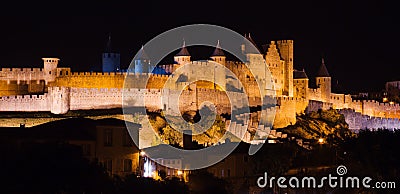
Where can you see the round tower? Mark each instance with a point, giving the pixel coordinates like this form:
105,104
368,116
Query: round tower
111,59
50,69
323,81
254,58
59,99
142,62
183,56
218,55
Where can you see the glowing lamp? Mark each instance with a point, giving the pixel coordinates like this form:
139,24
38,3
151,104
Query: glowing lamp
180,172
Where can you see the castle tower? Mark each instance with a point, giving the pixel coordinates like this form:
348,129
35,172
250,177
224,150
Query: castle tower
285,48
255,60
323,81
218,55
276,67
300,84
59,100
220,76
50,69
111,59
183,56
249,48
142,62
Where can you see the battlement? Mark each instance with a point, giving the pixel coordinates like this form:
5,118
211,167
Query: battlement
369,101
29,70
119,73
22,74
207,90
236,64
83,91
287,98
23,97
160,76
58,88
284,41
96,73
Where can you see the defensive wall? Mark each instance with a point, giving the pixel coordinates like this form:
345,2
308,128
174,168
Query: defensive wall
357,121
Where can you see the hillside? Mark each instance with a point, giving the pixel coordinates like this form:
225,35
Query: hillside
328,124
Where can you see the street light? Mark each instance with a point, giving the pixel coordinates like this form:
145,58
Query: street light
321,140
180,172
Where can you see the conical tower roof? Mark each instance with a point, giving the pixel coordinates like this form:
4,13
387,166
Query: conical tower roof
183,51
141,55
299,74
108,48
250,48
218,51
323,71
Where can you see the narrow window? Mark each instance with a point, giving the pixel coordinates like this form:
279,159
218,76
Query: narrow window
127,165
126,139
108,133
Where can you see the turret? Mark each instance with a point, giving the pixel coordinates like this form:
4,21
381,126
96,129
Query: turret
111,59
249,46
323,80
285,48
300,84
50,69
183,56
218,55
142,62
59,99
254,58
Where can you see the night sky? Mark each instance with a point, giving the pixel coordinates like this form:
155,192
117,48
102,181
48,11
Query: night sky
359,40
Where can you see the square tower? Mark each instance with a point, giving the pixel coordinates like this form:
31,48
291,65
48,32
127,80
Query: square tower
285,48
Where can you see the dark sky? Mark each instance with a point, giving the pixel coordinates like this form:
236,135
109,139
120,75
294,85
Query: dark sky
359,40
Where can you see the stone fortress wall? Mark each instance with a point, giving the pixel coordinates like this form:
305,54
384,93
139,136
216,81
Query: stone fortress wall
58,90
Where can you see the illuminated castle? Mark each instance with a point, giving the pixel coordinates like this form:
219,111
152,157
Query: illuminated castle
59,90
